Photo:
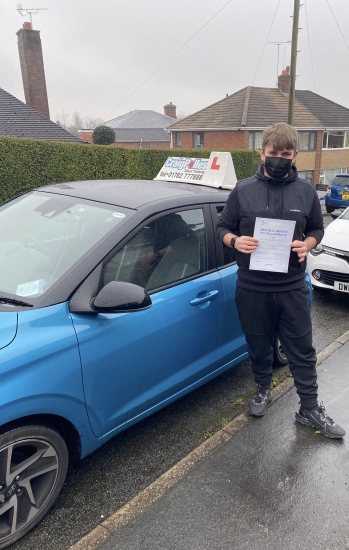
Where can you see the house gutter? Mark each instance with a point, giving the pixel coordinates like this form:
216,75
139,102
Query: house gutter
239,128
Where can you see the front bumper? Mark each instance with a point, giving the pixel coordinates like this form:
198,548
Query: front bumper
330,268
335,202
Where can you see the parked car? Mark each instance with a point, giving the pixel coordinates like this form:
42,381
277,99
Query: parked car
337,195
328,263
116,300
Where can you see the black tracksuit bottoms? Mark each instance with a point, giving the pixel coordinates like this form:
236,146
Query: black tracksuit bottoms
262,314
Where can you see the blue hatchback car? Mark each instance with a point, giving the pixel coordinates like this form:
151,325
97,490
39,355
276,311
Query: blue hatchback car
116,299
337,195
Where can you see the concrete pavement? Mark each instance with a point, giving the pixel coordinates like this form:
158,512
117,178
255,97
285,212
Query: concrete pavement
274,483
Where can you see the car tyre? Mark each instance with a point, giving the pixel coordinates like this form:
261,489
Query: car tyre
279,357
330,209
33,466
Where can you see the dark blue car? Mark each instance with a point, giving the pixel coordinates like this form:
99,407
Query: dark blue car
337,195
116,299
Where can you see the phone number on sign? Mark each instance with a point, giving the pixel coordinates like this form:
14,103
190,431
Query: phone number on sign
181,175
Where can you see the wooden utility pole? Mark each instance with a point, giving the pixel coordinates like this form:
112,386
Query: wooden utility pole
292,93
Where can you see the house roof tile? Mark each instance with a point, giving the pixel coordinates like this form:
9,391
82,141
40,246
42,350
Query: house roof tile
19,120
141,125
141,119
254,107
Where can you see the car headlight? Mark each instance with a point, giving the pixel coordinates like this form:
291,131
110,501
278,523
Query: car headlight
317,250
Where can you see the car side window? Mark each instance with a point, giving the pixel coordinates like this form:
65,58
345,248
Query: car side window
167,250
229,254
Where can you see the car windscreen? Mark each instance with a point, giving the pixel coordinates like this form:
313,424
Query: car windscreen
42,235
342,181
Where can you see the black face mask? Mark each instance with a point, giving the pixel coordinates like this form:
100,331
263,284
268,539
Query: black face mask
277,167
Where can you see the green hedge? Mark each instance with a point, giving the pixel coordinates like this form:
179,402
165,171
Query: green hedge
28,163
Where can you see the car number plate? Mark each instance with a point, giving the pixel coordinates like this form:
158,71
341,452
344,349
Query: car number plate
342,287
345,197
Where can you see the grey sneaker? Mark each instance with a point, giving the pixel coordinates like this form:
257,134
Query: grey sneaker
317,418
259,402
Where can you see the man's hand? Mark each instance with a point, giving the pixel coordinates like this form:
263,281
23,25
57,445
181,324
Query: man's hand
303,247
246,244
242,244
300,247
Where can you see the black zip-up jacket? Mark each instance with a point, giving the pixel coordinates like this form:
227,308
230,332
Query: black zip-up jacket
289,199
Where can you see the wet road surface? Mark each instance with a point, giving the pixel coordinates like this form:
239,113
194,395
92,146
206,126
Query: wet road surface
276,484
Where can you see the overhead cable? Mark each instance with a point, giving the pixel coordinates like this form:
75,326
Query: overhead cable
311,58
346,43
169,58
266,41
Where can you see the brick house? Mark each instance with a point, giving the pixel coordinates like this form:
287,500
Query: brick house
238,121
140,128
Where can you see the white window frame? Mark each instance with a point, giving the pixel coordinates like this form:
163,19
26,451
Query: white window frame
345,138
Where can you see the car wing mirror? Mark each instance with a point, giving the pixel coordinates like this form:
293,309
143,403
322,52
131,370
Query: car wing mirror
121,297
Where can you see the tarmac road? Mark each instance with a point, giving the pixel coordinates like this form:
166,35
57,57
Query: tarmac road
273,485
113,475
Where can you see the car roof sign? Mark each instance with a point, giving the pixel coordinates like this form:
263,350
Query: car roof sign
217,171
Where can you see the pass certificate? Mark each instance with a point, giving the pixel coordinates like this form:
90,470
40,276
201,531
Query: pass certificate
273,251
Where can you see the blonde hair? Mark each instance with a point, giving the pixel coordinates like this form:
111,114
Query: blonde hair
281,136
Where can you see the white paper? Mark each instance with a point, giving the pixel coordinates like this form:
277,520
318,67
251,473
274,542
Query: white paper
273,251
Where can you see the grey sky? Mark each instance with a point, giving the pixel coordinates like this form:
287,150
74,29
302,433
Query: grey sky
96,53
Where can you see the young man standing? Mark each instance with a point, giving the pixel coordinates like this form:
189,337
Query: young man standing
270,302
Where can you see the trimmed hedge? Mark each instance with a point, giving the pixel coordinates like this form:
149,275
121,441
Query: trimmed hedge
28,163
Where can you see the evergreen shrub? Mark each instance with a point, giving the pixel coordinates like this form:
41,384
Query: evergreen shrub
28,163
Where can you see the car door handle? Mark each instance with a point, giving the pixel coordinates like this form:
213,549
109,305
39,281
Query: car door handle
209,296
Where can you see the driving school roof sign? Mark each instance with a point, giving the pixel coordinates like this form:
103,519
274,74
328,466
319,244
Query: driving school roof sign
217,171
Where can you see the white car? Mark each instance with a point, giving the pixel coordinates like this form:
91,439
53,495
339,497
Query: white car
328,263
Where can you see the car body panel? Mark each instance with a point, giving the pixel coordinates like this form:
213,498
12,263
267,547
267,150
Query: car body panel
133,361
337,235
333,261
41,371
181,393
232,339
8,327
331,264
338,196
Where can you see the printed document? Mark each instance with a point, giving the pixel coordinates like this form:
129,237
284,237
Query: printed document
273,251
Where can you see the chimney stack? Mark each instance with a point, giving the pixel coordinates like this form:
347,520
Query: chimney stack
32,67
284,81
170,110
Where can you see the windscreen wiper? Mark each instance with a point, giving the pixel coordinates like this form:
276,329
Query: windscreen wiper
14,302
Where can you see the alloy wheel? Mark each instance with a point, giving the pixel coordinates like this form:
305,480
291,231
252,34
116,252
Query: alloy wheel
32,472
